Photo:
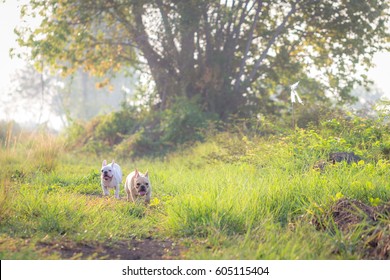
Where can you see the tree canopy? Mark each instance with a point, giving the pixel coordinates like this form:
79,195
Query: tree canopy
228,55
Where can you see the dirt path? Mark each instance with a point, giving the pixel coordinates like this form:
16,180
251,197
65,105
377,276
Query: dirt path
147,249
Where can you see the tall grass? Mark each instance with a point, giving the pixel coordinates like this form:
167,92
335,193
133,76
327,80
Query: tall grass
44,152
231,197
28,152
60,213
262,190
5,198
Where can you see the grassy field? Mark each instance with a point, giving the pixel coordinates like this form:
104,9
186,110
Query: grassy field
232,197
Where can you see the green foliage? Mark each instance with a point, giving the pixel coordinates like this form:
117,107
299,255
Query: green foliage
166,130
364,136
184,122
230,56
74,131
101,132
134,134
115,126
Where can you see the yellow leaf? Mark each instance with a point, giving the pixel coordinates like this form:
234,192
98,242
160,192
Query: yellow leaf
375,201
154,202
338,196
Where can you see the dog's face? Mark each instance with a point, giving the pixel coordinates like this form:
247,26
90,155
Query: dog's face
141,183
107,171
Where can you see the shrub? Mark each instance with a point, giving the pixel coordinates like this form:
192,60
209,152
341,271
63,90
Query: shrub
100,132
163,131
184,122
75,133
114,127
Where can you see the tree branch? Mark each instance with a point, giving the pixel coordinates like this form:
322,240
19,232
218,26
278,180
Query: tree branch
248,45
209,48
171,47
271,42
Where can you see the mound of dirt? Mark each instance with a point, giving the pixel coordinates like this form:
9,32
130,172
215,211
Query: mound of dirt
349,214
147,249
343,156
336,157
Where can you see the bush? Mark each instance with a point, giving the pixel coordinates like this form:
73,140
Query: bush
315,114
183,122
135,132
100,132
114,127
138,133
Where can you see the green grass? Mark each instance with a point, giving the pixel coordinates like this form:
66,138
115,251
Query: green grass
229,198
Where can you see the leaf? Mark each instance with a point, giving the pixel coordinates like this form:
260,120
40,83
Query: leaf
154,202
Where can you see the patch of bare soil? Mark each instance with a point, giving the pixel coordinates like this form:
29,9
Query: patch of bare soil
336,157
349,214
146,249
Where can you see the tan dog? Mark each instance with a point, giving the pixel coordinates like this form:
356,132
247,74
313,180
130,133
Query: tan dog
138,185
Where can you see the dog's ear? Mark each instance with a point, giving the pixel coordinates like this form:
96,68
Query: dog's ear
146,174
113,162
136,174
104,163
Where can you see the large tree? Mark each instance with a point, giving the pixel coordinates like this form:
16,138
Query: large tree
225,54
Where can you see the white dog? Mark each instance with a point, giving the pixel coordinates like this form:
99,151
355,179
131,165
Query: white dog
137,185
111,177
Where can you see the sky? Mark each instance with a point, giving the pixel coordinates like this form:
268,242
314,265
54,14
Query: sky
9,14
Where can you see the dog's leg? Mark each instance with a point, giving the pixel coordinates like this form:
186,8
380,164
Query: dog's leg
105,190
127,191
133,195
117,191
147,198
